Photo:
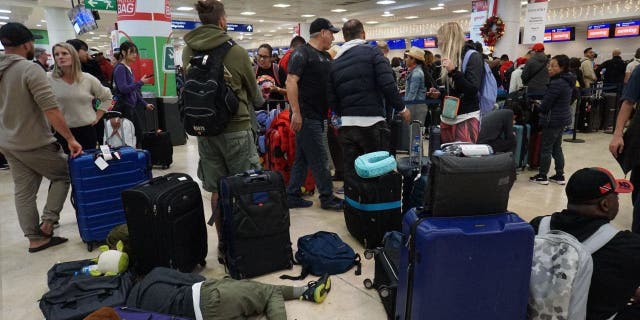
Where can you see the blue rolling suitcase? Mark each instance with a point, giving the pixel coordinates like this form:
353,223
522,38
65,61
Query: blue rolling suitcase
523,134
465,267
96,193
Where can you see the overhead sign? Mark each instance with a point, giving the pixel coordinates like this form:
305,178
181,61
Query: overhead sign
184,25
126,7
101,5
239,27
534,21
627,29
479,14
598,31
169,60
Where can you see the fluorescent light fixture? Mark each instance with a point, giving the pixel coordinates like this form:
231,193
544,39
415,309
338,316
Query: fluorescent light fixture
388,14
184,8
5,11
308,15
104,35
411,17
372,22
2,23
272,31
436,8
523,3
247,13
4,18
460,11
91,32
261,20
38,25
339,10
282,5
45,21
440,4
386,2
268,35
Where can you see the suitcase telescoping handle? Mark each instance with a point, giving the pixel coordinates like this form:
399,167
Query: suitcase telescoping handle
254,176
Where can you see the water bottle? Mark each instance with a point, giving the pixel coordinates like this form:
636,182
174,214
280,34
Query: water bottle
415,146
86,270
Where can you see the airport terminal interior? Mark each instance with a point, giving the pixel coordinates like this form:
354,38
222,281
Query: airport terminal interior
569,29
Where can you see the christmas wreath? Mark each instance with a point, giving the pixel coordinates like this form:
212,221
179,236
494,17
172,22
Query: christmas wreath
492,30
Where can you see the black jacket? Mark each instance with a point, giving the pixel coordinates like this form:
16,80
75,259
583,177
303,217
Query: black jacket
361,81
467,84
535,75
614,70
615,266
555,111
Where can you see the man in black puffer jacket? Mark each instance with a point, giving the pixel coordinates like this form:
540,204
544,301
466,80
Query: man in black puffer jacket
361,83
555,114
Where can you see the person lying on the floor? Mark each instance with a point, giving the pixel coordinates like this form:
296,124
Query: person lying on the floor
169,291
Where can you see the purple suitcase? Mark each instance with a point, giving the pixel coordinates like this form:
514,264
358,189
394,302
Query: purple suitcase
127,313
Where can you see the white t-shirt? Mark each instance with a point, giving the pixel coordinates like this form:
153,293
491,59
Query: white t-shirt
632,65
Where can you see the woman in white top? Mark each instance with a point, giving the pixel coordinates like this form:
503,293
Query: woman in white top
76,92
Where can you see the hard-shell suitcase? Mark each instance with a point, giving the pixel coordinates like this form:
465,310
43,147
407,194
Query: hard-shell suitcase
535,146
159,146
166,224
255,224
523,135
96,192
385,280
465,267
373,207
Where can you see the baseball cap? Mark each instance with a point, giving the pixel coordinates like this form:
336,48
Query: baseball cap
321,23
594,183
538,47
93,51
14,34
521,60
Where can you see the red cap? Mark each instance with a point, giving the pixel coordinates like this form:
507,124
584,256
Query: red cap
521,61
538,47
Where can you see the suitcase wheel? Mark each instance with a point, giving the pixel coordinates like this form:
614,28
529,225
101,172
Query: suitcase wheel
384,292
368,283
368,254
89,246
203,263
165,167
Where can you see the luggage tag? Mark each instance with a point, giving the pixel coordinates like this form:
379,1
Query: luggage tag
103,157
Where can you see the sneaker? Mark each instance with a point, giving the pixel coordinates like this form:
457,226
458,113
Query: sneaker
4,166
568,131
297,202
539,179
557,178
335,204
340,190
317,290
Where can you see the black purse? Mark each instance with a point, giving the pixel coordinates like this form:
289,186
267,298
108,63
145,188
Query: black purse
630,155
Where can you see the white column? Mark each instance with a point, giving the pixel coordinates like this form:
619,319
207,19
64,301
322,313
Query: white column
510,12
304,31
58,25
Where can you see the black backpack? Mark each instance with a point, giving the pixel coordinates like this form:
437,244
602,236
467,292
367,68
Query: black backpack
208,103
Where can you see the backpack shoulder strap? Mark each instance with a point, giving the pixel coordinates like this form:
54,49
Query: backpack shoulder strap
600,238
465,61
545,225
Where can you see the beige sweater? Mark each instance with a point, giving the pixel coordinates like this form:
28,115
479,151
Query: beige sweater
24,96
75,100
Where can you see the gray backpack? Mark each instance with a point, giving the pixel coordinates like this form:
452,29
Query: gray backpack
561,272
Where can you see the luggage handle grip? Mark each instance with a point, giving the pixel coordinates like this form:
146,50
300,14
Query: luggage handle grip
157,180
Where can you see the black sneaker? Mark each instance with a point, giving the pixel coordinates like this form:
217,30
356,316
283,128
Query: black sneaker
318,290
557,178
335,204
539,179
297,202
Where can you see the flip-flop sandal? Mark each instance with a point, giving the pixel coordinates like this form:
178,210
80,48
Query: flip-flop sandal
42,233
53,242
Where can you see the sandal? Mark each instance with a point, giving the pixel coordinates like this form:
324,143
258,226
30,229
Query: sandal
53,242
42,233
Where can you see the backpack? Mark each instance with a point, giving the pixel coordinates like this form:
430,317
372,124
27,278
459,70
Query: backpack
324,252
208,103
561,272
488,91
124,136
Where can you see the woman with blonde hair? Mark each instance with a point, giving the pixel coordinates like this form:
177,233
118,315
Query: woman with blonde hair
461,84
76,92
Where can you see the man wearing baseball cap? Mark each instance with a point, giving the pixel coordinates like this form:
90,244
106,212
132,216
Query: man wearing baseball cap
593,202
28,109
307,84
534,74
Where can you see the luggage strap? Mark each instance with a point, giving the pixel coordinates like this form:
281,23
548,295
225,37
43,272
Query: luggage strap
373,206
305,270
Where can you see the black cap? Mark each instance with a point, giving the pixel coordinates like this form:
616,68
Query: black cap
594,183
14,34
321,23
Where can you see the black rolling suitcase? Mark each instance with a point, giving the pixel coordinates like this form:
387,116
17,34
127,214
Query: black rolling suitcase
160,148
166,224
591,110
385,279
609,112
255,224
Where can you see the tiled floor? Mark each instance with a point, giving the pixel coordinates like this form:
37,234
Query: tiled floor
23,275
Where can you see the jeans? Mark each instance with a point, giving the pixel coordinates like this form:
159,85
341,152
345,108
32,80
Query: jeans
311,153
551,145
357,141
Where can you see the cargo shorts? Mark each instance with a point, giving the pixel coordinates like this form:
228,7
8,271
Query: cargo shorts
225,155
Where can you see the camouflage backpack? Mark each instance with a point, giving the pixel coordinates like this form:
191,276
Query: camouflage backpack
561,272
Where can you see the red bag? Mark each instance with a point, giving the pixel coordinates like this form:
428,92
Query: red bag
534,150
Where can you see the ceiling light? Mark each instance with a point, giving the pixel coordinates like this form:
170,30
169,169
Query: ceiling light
38,25
91,32
247,13
45,21
260,20
411,17
387,14
386,2
339,10
104,35
523,3
4,18
1,23
272,31
436,8
460,11
268,35
372,22
282,5
440,4
5,11
308,15
184,8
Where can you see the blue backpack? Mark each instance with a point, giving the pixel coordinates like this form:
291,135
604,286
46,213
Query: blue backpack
488,92
324,252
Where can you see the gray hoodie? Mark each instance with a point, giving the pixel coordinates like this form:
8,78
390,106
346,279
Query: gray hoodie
25,94
535,75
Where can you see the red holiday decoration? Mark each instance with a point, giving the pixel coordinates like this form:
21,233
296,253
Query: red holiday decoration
492,30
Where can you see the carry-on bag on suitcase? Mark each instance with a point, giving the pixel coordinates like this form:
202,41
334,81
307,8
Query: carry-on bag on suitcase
373,207
465,186
255,224
414,169
385,279
97,179
166,224
465,267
